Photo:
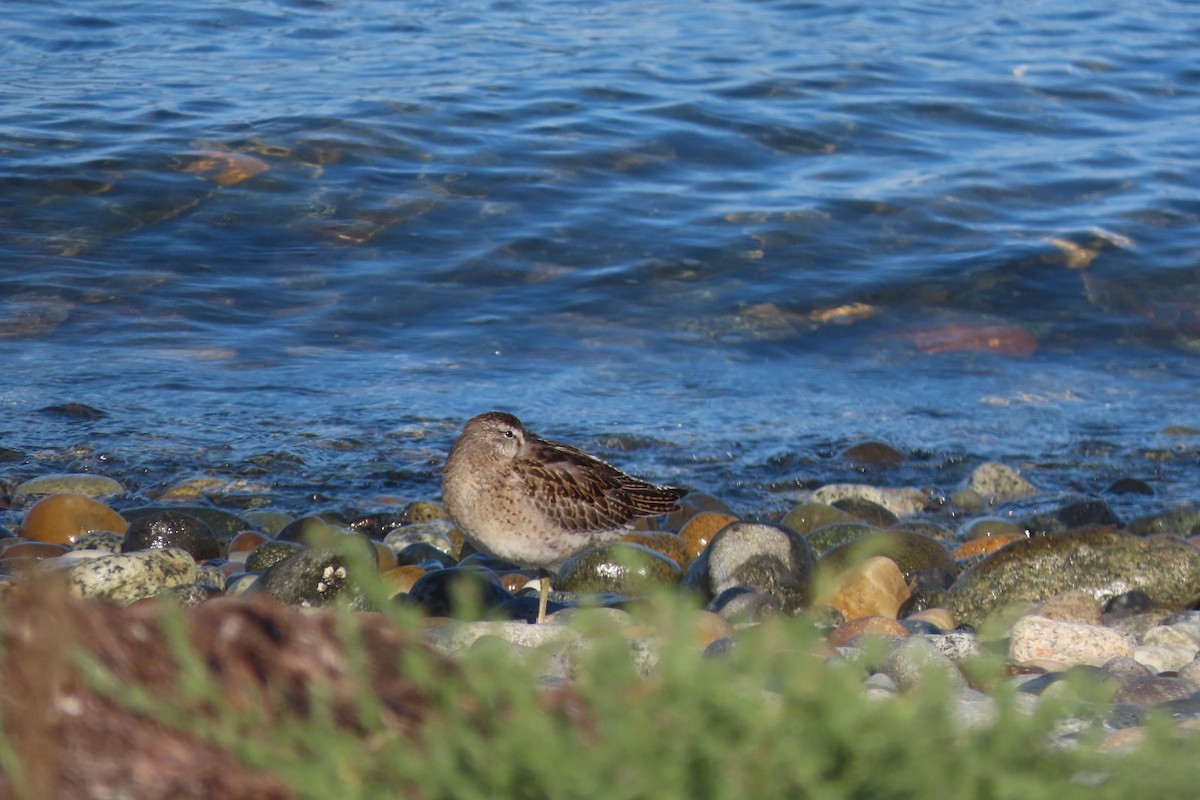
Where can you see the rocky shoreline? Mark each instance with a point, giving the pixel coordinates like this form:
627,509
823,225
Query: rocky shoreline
1066,592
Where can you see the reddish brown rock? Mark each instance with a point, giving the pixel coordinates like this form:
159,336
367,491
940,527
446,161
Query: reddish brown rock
668,544
861,626
699,530
984,545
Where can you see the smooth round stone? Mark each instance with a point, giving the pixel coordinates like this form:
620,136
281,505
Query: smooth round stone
1125,668
126,577
423,511
937,616
867,511
375,526
1191,672
874,455
424,554
246,542
1181,629
456,636
223,524
914,660
829,537
84,484
1087,511
874,588
621,568
210,575
741,606
699,531
400,580
109,541
1035,638
981,527
1000,483
241,583
901,502
436,532
460,592
807,517
385,559
969,500
663,542
1162,658
28,548
1127,604
192,595
312,578
1102,562
312,531
758,555
913,553
171,529
1071,606
269,553
955,645
63,518
690,506
1130,486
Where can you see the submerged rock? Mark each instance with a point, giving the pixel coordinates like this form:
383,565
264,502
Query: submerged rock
171,529
1102,562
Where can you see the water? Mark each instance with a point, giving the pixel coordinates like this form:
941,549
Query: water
297,244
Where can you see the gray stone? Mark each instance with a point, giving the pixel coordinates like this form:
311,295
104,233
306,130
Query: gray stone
758,555
435,532
1000,483
900,501
126,577
1102,562
313,578
912,660
269,553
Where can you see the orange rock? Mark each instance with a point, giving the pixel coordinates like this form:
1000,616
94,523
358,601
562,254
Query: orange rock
386,558
860,626
513,581
669,544
985,545
401,579
63,518
876,587
699,530
227,169
1008,340
246,541
26,548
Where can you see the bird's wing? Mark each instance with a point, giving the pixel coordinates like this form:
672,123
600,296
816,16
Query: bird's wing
586,494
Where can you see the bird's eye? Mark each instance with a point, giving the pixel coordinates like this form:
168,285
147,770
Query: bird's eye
508,434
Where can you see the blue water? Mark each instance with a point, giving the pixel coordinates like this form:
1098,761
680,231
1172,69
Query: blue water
320,235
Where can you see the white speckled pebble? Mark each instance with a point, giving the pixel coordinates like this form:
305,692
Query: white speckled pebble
1035,638
127,577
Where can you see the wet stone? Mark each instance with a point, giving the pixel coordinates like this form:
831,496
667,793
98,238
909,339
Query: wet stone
1101,562
459,592
436,532
621,568
874,455
1127,604
171,529
899,501
223,524
1153,691
375,526
874,587
740,605
423,511
807,517
210,575
867,511
759,555
1000,483
269,553
84,484
1130,486
1183,521
1037,638
63,518
700,530
312,578
913,553
836,534
662,542
424,554
127,577
1088,511
108,541
921,600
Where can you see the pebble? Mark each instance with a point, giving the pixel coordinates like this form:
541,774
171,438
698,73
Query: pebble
875,587
913,553
126,577
83,484
108,541
901,502
269,553
1161,658
698,531
1000,483
312,578
437,533
63,518
914,660
223,524
621,568
848,632
1102,562
807,517
171,529
664,542
758,555
461,592
1035,638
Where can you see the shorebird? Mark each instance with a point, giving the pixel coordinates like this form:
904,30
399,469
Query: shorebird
533,502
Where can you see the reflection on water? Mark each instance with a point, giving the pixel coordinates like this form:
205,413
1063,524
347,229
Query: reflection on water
747,232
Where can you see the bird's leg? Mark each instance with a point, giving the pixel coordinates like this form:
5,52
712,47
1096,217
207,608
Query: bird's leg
543,594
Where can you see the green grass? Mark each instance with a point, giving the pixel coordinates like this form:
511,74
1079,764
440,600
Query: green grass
770,721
